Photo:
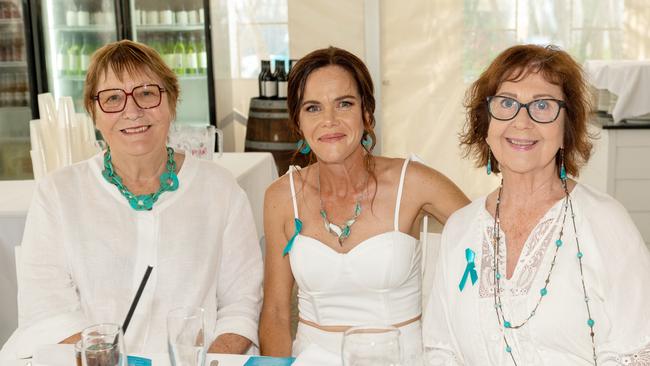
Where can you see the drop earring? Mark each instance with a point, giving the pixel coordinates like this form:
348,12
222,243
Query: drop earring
489,162
367,141
562,168
303,147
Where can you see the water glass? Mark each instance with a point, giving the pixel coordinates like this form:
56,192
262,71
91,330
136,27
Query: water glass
103,345
376,345
199,141
186,336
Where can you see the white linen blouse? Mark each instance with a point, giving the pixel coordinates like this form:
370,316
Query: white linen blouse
85,250
461,328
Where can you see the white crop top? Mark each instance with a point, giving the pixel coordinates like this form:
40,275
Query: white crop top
378,281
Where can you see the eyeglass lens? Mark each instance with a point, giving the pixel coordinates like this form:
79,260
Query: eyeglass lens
541,110
114,100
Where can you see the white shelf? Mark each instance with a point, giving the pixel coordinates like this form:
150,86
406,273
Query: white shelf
88,28
11,21
13,64
169,28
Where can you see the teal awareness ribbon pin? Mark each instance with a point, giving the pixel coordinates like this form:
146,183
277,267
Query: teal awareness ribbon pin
470,269
289,245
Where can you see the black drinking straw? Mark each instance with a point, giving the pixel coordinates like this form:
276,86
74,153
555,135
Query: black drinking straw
136,299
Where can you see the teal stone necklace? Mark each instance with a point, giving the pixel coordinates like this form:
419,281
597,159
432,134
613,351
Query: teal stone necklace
543,292
143,202
342,232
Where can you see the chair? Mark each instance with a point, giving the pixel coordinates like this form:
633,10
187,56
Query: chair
430,243
17,250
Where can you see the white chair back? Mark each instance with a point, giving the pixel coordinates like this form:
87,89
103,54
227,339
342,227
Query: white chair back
430,243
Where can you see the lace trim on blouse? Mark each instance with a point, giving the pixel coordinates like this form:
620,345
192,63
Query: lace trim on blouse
530,259
640,357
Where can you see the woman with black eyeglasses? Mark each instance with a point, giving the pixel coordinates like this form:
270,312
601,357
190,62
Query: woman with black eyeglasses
94,227
544,270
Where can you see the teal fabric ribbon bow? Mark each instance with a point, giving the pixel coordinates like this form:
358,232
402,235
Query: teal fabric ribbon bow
289,245
470,269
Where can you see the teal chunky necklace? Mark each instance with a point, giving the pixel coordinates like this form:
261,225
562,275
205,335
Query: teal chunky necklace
168,182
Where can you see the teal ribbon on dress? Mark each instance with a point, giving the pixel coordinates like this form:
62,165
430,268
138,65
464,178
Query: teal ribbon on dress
289,245
470,269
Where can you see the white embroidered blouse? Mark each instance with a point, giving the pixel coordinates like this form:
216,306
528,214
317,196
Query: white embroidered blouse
461,327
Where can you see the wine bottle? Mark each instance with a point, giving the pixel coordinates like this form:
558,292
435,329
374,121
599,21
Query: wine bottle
191,57
74,57
270,84
85,52
179,55
62,56
202,55
281,77
260,78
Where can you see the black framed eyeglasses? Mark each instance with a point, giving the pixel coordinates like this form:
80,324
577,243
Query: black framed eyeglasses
544,110
145,96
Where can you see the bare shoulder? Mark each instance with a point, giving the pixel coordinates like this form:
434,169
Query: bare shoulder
388,169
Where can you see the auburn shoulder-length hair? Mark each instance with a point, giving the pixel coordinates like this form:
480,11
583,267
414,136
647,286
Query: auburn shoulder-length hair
513,64
357,70
131,58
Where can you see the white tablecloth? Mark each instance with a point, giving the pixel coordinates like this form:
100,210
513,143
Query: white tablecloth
254,172
628,79
63,354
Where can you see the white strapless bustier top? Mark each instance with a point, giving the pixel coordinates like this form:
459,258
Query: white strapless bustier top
378,281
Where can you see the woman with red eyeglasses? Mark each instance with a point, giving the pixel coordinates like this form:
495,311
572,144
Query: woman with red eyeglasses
94,227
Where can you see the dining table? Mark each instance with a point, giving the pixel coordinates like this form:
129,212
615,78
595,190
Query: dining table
254,172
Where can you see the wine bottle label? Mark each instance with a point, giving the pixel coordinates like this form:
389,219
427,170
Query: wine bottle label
192,61
178,60
83,18
62,62
203,60
270,89
71,18
166,17
73,63
85,61
282,89
181,17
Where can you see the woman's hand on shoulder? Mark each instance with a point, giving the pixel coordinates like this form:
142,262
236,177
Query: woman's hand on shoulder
437,194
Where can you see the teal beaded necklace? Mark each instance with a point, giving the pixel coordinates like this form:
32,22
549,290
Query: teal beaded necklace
168,182
498,303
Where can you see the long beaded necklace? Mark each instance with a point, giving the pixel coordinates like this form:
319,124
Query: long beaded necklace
498,304
168,182
342,232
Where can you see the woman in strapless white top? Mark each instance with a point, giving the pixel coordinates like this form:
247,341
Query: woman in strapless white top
342,228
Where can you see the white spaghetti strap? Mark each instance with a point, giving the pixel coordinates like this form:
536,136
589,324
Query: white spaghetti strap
293,191
399,194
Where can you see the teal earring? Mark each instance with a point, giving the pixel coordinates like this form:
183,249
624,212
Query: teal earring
489,163
303,147
562,168
367,141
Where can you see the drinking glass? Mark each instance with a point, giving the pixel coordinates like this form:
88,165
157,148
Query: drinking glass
199,141
186,336
371,345
103,345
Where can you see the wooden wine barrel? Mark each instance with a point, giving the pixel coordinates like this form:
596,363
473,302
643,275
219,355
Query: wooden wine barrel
268,130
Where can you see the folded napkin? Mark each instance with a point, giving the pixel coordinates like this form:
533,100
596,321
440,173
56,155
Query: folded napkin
54,355
315,355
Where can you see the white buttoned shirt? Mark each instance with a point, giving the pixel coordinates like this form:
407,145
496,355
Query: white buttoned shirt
85,250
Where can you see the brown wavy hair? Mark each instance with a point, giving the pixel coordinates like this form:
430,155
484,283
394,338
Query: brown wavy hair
132,58
359,72
514,64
